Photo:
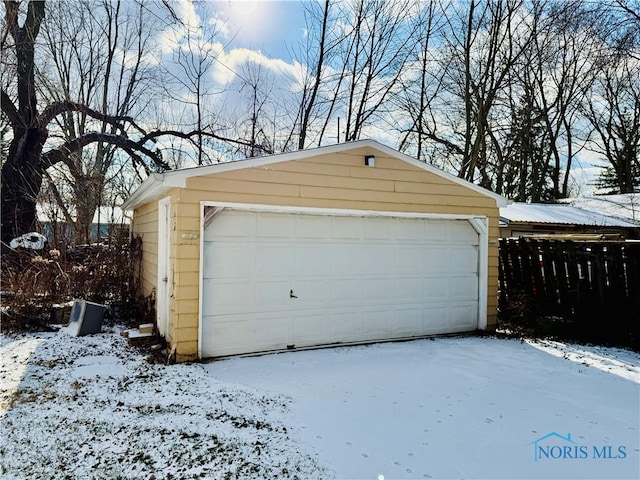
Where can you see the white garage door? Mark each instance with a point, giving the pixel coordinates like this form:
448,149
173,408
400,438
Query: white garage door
282,280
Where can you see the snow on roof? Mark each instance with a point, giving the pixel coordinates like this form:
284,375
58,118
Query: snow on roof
563,214
624,206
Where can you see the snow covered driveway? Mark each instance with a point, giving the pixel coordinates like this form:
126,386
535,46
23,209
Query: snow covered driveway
457,408
466,407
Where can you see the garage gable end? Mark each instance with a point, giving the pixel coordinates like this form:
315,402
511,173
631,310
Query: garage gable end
331,179
362,162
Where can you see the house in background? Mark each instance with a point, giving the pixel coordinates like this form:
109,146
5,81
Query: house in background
55,226
562,221
347,243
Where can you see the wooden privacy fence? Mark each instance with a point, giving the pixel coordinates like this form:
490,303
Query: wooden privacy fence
595,286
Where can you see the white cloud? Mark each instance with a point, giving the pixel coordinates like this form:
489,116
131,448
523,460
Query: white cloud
130,58
171,38
220,25
230,64
187,13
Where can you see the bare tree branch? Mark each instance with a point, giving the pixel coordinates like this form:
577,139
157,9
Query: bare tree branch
623,5
133,148
152,136
9,108
11,16
58,198
65,106
450,146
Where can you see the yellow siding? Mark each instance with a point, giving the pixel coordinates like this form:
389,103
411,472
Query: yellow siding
145,225
328,181
189,307
187,249
183,322
185,334
186,350
191,224
197,195
392,198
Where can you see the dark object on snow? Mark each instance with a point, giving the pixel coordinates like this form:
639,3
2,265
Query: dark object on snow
86,318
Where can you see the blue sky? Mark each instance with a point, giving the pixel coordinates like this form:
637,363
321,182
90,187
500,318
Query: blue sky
271,27
265,34
241,37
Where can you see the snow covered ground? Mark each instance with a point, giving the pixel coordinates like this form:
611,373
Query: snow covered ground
93,408
465,407
457,407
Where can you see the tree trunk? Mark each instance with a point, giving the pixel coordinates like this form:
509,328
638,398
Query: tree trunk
86,206
308,105
21,179
21,175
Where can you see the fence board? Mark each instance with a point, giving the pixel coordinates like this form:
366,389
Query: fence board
594,285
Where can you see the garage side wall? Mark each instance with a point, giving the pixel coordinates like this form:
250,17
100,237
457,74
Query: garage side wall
145,226
185,267
328,181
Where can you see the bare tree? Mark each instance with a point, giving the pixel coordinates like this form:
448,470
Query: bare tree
32,118
255,85
23,168
613,99
356,60
614,114
316,55
546,89
377,51
189,84
481,42
488,55
97,50
419,84
506,94
571,71
619,25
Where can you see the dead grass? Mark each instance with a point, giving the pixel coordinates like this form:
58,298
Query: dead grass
35,282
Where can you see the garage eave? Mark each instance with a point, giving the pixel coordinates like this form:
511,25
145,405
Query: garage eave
153,186
157,184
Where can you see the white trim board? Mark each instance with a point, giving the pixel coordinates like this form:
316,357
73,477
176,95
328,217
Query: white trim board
164,253
479,223
157,184
338,212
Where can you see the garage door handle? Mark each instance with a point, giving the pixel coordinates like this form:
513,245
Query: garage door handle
291,295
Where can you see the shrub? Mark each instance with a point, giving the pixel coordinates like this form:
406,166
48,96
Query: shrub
33,282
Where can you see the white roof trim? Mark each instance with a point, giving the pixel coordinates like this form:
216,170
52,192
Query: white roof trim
158,184
151,187
337,212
